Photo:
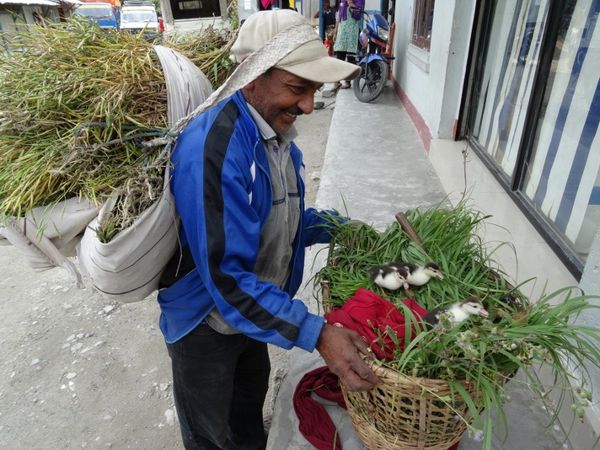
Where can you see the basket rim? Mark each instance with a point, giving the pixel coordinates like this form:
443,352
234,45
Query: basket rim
389,375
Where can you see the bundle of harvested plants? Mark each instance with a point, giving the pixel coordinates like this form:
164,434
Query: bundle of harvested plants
482,353
78,106
77,103
208,49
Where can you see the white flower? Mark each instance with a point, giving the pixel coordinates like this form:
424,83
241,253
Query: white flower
478,436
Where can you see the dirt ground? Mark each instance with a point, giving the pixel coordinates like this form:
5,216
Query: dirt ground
77,371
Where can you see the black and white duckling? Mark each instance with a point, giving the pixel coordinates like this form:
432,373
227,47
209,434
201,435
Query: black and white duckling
417,275
457,312
387,277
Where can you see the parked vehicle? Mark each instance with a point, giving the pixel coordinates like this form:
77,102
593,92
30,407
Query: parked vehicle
138,16
374,58
101,13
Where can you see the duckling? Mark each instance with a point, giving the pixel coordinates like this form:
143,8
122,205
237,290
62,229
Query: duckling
417,275
387,277
457,312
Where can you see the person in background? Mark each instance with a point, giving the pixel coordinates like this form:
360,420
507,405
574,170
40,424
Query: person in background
238,190
328,16
346,32
117,10
329,22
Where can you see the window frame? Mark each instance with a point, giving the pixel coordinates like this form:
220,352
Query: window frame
421,30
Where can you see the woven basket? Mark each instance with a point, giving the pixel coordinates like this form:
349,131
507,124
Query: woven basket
405,413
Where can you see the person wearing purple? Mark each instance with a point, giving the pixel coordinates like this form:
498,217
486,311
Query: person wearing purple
346,32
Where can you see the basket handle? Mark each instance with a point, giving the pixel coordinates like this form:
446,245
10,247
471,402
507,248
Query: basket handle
408,229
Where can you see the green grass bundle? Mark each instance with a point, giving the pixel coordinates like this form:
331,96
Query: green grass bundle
209,50
450,241
78,103
518,334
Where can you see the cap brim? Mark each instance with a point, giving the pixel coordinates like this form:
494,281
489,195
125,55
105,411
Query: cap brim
312,62
323,70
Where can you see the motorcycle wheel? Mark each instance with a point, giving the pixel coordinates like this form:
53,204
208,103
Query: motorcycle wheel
369,85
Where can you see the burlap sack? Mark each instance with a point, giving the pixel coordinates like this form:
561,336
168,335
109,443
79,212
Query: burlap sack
128,268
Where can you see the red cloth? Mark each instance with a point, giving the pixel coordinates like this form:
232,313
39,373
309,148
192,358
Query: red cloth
315,424
364,313
370,316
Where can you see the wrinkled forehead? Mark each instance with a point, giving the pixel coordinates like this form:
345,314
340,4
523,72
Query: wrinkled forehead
289,78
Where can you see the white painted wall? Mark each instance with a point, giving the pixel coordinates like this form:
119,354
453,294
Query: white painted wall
433,80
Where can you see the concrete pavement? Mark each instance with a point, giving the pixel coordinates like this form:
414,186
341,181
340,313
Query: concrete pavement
375,166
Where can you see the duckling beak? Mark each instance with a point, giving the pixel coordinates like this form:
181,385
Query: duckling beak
439,276
484,313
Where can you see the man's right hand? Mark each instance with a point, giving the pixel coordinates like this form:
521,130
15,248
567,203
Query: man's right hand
341,349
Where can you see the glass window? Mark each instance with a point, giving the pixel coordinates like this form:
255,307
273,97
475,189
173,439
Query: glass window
192,4
422,23
505,83
139,16
96,12
194,9
562,177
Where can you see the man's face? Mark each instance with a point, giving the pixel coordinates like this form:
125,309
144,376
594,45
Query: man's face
280,97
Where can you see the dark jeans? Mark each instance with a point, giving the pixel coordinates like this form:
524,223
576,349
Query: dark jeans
220,383
345,56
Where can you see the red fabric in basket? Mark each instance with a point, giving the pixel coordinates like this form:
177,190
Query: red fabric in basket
370,316
364,313
314,422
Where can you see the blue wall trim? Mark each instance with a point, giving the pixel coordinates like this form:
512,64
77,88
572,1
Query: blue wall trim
566,103
581,156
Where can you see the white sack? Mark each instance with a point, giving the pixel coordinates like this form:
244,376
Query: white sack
187,86
46,236
3,240
128,268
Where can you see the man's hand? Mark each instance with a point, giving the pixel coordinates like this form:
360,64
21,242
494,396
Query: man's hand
341,348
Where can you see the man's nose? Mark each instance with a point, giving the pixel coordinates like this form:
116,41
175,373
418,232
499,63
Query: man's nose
307,103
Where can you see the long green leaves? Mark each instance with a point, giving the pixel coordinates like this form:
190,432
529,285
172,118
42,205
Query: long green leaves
77,104
74,99
485,352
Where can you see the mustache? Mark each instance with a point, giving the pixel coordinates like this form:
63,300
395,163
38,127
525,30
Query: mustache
294,110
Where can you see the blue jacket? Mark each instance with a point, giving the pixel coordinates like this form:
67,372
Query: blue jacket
222,190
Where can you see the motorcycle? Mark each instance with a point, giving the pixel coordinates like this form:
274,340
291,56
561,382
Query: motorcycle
374,58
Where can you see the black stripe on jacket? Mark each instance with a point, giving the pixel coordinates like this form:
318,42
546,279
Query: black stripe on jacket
215,151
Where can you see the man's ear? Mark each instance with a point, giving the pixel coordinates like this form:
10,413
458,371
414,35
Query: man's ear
251,86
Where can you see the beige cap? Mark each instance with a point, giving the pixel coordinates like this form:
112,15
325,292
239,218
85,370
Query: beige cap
309,60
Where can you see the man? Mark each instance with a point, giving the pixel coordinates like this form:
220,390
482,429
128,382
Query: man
238,190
